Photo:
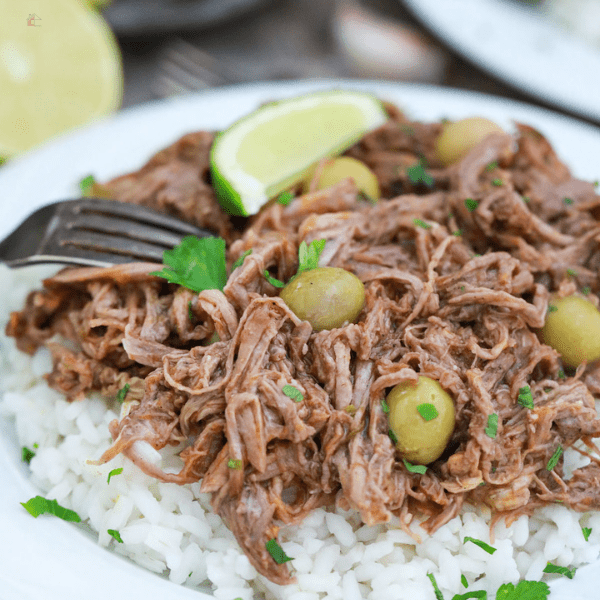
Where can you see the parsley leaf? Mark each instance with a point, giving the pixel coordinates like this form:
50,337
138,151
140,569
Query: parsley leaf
497,182
525,590
233,463
464,581
492,426
471,204
385,406
493,165
86,184
115,534
292,392
436,589
422,469
273,280
39,505
568,200
554,458
27,454
457,233
113,473
308,256
489,549
526,199
392,436
561,374
586,533
276,551
240,261
416,173
197,264
550,568
552,308
482,594
428,411
572,272
285,198
525,398
421,223
122,393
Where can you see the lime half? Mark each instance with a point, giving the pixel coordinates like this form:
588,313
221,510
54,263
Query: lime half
271,149
60,68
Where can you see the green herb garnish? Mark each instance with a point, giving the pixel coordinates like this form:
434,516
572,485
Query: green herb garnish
113,473
240,261
421,223
27,454
552,308
586,290
122,393
285,198
572,272
273,280
436,589
276,551
3,160
554,458
497,182
471,204
493,165
191,312
292,392
421,469
525,590
39,506
525,398
233,463
568,200
492,425
586,533
457,233
86,184
463,580
393,436
489,549
115,534
569,573
526,199
416,174
428,411
385,406
350,409
561,374
308,256
197,264
481,594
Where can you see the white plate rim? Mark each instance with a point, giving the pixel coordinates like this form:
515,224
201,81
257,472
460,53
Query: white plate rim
61,562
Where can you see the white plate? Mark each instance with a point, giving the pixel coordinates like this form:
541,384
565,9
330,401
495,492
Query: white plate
50,559
521,46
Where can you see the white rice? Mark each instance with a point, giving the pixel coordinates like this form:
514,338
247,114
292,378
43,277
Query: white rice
171,529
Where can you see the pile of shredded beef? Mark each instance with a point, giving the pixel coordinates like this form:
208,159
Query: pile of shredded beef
455,294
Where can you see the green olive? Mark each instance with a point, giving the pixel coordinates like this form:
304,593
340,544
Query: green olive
421,441
340,168
459,137
572,328
326,297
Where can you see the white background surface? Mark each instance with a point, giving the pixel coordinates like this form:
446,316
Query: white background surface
49,559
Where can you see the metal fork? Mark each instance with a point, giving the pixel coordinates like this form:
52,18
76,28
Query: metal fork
94,232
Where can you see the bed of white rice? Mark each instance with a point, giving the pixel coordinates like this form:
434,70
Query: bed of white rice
170,529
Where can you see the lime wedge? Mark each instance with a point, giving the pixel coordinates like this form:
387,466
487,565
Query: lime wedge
271,149
60,68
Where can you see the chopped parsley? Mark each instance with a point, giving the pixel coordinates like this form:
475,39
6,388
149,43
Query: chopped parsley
554,458
86,184
113,473
492,425
572,272
235,464
421,223
497,182
392,436
273,280
292,392
417,174
436,589
191,312
464,581
552,308
586,533
122,393
197,264
586,290
525,398
568,200
457,233
526,199
350,409
489,549
597,183
115,534
428,411
561,374
285,198
493,165
240,261
525,590
474,594
462,288
471,204
276,551
27,454
422,469
385,406
565,571
39,506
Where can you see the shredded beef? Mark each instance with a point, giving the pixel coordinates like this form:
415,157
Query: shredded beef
460,300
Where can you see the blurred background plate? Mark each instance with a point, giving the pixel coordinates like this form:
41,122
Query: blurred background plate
519,44
136,17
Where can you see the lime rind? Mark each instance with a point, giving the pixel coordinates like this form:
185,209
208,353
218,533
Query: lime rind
242,192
